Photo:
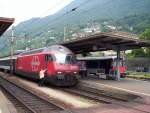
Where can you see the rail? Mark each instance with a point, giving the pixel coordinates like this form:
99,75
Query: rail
32,102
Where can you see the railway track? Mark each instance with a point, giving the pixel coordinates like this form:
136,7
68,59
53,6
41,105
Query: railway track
17,104
93,95
26,101
102,98
86,92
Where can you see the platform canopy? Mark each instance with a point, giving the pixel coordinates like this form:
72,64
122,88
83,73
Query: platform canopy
106,41
5,23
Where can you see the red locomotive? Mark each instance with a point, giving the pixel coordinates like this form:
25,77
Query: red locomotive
58,60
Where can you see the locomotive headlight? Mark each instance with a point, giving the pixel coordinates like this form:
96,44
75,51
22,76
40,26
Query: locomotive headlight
75,72
59,72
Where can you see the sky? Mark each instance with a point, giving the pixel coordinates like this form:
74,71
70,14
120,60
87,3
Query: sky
23,10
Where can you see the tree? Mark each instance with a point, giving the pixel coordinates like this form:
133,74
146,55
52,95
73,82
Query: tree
138,53
143,52
146,35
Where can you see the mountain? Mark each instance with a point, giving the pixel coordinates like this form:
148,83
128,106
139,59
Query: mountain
87,11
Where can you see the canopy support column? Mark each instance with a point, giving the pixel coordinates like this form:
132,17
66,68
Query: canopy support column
118,64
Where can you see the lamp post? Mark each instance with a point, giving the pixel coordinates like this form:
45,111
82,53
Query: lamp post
64,34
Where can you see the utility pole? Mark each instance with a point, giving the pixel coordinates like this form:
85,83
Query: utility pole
26,41
93,27
11,50
64,34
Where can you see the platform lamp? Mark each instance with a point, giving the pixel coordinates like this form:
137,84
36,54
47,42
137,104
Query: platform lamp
11,50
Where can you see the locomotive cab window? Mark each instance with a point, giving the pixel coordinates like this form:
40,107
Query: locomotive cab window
48,58
65,59
70,59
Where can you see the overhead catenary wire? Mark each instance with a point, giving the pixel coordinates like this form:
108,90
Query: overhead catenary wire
75,9
93,8
38,21
38,18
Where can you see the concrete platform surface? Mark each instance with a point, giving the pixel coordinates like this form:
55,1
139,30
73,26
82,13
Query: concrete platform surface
5,105
107,109
138,87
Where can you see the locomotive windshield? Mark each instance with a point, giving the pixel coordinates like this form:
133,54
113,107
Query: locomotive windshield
65,59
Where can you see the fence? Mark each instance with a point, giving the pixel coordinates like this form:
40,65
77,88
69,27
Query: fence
138,64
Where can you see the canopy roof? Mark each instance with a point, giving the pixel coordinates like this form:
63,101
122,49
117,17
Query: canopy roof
5,23
106,41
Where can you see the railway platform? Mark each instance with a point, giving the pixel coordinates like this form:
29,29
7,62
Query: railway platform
5,105
134,86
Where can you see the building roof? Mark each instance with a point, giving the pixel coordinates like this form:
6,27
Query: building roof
97,58
5,23
106,41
